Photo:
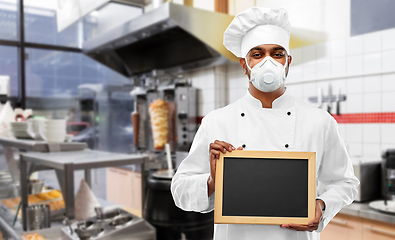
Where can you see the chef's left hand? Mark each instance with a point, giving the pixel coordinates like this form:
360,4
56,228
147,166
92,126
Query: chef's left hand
313,224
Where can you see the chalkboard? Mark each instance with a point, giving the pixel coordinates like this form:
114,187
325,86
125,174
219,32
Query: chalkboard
260,187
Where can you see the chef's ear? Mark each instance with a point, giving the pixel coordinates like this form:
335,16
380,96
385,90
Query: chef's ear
289,63
243,65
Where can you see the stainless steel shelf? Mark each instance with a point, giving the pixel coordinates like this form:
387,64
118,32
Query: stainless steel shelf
40,146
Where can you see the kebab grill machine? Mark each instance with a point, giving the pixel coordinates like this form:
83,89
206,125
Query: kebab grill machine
182,118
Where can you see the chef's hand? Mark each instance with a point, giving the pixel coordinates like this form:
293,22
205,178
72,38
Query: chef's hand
313,224
216,148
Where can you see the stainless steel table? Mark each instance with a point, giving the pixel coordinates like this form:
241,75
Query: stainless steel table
65,163
24,145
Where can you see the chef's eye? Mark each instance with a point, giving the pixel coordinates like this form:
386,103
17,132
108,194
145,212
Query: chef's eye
278,55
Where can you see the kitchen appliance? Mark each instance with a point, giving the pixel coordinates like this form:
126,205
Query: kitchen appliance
181,98
171,36
388,174
115,224
388,184
368,172
170,221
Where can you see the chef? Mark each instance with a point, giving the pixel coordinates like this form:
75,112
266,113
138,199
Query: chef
267,118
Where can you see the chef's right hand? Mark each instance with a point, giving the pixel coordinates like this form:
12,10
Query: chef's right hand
216,148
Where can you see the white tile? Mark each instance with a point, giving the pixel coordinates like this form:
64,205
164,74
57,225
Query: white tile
297,56
372,102
372,42
208,107
385,147
354,133
339,85
338,66
372,83
309,70
354,64
208,95
387,133
309,53
354,45
388,82
323,67
388,39
371,150
371,133
388,63
295,73
323,50
338,48
309,90
354,103
243,83
295,90
372,62
388,102
355,149
354,85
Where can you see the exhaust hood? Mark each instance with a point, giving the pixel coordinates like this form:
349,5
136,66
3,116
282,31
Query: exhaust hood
171,36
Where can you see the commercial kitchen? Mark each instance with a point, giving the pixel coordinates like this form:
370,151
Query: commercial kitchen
101,101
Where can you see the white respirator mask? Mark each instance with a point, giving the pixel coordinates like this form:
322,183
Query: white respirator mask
268,75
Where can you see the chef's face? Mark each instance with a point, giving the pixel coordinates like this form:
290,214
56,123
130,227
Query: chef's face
258,53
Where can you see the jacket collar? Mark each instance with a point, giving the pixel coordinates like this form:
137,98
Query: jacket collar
283,101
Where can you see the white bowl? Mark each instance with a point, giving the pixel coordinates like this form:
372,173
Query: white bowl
53,136
20,133
19,125
34,130
68,137
55,122
53,128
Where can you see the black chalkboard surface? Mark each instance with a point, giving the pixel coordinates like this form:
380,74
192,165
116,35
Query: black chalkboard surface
260,187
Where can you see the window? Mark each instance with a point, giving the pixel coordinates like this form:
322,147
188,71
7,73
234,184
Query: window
8,20
9,66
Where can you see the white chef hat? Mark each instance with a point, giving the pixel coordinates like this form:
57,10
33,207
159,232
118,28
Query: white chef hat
257,26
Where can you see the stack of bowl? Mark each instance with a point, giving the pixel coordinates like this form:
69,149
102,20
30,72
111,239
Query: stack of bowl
34,128
53,130
19,129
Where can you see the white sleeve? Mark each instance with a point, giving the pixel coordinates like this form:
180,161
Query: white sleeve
337,174
189,184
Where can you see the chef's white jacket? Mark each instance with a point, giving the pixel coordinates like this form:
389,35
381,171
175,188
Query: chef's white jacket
290,125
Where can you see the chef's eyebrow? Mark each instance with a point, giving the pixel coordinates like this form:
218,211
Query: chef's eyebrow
274,48
278,48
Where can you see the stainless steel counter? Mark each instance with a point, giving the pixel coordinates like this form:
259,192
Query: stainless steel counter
364,211
65,163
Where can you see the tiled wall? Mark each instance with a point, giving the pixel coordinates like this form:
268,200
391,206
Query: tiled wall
360,67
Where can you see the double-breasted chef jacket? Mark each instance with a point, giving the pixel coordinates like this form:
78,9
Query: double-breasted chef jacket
290,125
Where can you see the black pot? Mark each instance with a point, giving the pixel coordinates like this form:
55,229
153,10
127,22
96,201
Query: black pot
171,222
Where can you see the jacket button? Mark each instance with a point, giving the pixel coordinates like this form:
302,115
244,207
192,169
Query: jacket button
242,114
289,113
244,146
286,145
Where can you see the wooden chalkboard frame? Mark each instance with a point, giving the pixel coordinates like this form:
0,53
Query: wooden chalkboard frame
219,218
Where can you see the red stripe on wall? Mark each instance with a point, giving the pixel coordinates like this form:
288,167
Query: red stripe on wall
385,117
